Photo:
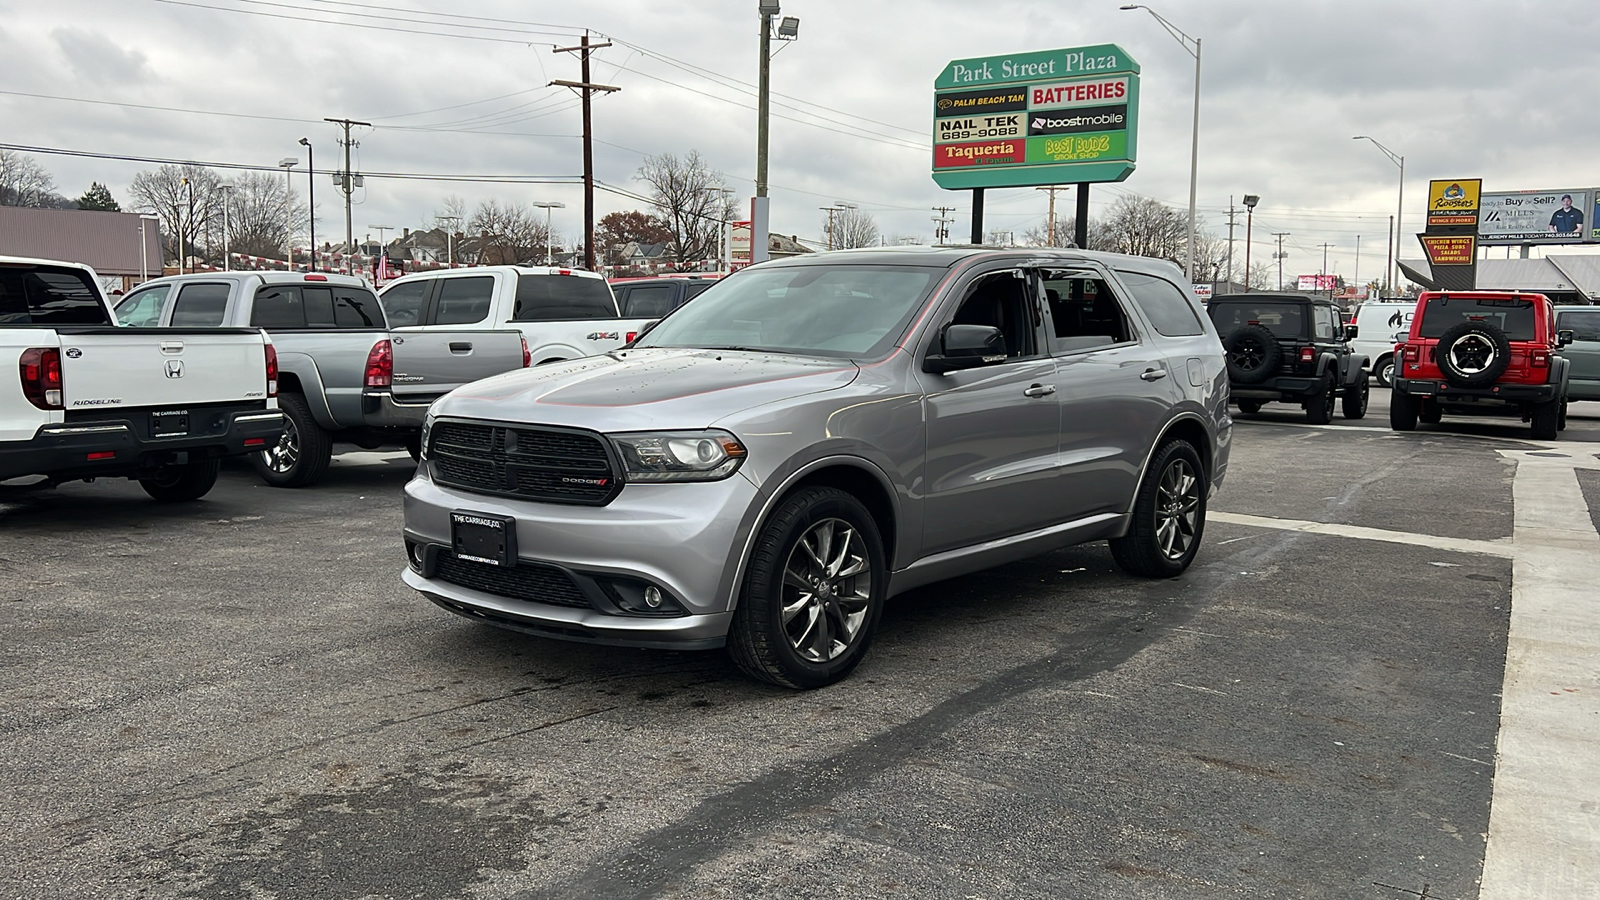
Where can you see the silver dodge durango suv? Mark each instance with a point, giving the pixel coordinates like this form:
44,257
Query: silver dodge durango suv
811,436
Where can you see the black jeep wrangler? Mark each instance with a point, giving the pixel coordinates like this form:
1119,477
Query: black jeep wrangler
1290,348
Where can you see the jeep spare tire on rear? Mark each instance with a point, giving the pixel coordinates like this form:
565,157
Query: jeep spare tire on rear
1253,354
1473,354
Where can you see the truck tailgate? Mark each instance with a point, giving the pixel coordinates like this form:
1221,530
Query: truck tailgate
429,363
114,368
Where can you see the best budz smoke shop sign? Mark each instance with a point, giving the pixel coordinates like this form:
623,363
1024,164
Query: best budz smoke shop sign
1053,117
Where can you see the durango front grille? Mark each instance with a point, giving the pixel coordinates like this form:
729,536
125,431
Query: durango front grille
532,582
557,465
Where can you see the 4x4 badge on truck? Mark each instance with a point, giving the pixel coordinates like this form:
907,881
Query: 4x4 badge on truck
174,368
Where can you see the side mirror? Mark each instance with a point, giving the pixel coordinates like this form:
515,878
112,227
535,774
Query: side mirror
1350,332
1564,337
966,347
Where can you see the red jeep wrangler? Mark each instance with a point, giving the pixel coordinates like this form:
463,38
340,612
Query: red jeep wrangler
1482,353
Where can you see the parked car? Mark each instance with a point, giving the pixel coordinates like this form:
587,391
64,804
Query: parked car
1482,353
89,400
652,298
769,464
345,375
563,313
1292,348
1583,353
1378,322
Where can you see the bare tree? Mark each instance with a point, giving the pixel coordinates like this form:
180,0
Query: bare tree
451,214
24,182
853,228
688,198
187,199
259,214
1140,226
508,233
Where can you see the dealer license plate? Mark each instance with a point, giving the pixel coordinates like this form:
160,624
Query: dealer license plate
483,538
169,422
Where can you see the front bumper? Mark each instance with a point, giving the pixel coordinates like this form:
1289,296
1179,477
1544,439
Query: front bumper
678,538
1498,393
63,451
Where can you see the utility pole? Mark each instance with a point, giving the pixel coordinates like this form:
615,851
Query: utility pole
347,183
1050,228
586,90
1230,245
1325,247
1280,235
1388,265
227,201
941,227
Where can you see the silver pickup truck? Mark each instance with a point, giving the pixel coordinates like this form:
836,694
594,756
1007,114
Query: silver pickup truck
345,375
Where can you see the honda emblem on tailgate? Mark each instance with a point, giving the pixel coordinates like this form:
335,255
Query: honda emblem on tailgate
174,368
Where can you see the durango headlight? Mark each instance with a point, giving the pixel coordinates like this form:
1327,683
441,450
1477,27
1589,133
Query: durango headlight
679,455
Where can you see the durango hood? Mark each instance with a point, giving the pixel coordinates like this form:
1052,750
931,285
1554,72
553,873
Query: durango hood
646,389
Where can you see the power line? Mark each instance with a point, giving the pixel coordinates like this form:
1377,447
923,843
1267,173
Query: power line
364,26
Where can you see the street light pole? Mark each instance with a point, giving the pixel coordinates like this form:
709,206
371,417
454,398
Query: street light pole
311,197
1184,41
549,236
1394,283
1250,201
449,239
288,162
788,30
227,201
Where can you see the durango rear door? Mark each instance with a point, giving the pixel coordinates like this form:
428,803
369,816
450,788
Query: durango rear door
455,343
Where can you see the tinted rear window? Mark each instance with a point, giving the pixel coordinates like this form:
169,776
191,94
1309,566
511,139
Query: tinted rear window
1286,320
649,301
200,305
277,306
1164,303
1513,316
356,308
546,297
46,295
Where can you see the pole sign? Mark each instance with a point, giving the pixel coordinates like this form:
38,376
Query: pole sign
1535,217
1065,116
1455,207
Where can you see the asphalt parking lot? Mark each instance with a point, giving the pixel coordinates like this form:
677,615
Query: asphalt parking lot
238,698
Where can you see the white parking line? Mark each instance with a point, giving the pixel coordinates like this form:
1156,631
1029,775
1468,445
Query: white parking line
1275,423
1544,824
1502,548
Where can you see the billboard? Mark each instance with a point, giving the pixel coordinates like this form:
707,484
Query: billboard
1454,202
1049,117
1536,217
1313,283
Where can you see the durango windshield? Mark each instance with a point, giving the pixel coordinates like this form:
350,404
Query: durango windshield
1512,315
841,311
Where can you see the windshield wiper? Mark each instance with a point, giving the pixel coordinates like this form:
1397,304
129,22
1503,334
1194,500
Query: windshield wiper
742,348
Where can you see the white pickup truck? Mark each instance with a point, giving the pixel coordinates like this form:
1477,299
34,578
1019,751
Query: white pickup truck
562,313
88,399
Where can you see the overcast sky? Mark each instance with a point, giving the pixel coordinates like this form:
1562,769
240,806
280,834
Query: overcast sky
1496,89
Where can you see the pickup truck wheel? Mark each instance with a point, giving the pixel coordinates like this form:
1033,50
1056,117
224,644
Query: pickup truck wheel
1250,406
1252,354
1384,371
1473,354
1403,411
1429,412
302,454
1319,406
1561,420
180,484
1546,420
1169,515
813,593
1356,396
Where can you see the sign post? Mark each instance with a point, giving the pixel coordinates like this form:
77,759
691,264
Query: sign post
1035,119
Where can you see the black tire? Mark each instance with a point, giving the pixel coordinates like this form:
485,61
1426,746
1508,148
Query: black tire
1169,515
1252,354
1384,371
1546,420
1473,354
1561,420
1319,406
180,484
1403,410
1356,397
414,447
302,454
1250,406
1429,412
801,655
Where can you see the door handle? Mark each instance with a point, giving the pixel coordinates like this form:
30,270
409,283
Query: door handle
460,347
1039,390
1153,374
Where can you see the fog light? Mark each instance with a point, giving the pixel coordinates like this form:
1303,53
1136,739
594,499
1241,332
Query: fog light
652,597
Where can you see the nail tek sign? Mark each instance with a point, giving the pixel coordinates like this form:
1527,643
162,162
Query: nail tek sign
1052,117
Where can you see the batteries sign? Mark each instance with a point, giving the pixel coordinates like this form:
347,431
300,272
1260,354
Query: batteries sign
1050,117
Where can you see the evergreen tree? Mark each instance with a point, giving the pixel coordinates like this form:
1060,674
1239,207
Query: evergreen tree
98,197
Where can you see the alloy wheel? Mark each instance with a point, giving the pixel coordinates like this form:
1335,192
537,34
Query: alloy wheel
827,588
283,457
1177,509
1472,353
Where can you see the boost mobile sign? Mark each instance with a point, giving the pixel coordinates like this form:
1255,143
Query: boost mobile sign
1050,117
